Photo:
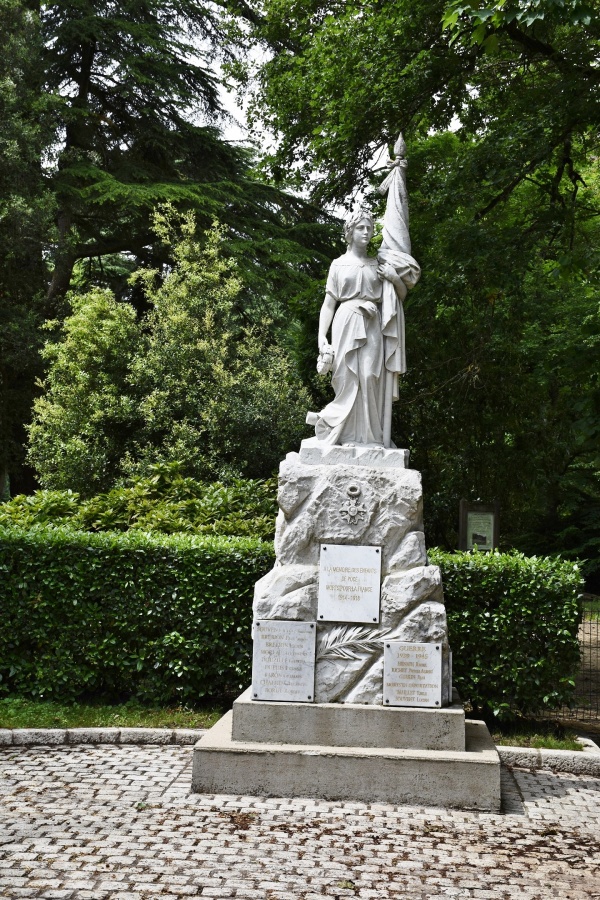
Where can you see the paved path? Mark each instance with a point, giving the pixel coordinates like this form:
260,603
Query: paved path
119,823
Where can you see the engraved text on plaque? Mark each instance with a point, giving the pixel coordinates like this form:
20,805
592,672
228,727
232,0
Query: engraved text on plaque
283,661
349,583
412,674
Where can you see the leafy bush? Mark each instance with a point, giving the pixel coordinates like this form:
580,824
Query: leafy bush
157,617
167,617
163,501
513,623
85,419
192,380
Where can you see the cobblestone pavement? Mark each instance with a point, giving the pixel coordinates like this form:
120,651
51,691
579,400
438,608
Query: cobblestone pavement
119,823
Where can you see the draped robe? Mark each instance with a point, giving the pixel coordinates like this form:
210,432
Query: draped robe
369,351
355,415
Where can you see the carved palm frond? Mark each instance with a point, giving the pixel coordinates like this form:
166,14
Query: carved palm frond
348,642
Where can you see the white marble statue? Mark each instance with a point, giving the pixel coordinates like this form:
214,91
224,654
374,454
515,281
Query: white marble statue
363,307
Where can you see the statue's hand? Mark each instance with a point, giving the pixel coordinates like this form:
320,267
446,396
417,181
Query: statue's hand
325,360
324,345
387,271
369,308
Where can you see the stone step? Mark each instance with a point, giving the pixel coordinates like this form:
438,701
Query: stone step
348,725
441,778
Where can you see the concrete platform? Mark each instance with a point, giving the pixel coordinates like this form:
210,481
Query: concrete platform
467,780
348,725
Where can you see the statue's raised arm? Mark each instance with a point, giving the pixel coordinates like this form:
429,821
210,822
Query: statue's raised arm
363,308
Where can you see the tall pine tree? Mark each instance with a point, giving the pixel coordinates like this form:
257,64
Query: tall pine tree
25,216
139,109
112,110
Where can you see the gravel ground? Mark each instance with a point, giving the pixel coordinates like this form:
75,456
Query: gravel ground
119,823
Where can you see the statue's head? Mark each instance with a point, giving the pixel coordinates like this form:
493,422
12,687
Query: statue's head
359,215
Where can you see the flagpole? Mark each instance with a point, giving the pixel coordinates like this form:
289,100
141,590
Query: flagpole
387,408
396,240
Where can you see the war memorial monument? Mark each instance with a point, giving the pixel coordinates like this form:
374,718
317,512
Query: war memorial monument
351,695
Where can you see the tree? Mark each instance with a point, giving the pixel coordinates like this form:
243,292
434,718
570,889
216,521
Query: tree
190,383
25,210
84,419
125,75
110,109
500,105
343,79
137,127
219,395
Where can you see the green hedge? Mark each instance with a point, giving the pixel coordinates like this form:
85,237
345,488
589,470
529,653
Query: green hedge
513,623
162,617
159,617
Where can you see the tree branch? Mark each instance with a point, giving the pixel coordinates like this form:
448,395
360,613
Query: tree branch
244,10
531,165
537,47
105,248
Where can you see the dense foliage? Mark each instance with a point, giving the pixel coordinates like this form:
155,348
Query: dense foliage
106,112
137,125
110,110
25,216
502,398
499,103
162,501
513,624
520,92
163,617
190,382
158,617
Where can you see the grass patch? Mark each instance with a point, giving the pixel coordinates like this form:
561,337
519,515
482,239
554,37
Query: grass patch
540,735
18,712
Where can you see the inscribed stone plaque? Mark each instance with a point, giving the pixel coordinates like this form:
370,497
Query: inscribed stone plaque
412,674
283,661
349,583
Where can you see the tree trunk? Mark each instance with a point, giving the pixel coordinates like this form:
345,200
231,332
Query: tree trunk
4,484
65,260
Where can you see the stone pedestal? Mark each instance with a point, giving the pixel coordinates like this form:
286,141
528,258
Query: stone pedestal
349,725
364,753
343,742
361,497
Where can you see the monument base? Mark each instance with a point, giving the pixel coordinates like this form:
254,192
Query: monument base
318,453
349,724
466,778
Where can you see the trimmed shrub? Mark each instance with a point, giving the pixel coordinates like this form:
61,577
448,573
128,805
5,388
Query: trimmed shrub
157,617
513,623
168,617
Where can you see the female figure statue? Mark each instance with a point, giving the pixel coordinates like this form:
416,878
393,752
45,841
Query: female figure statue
367,351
